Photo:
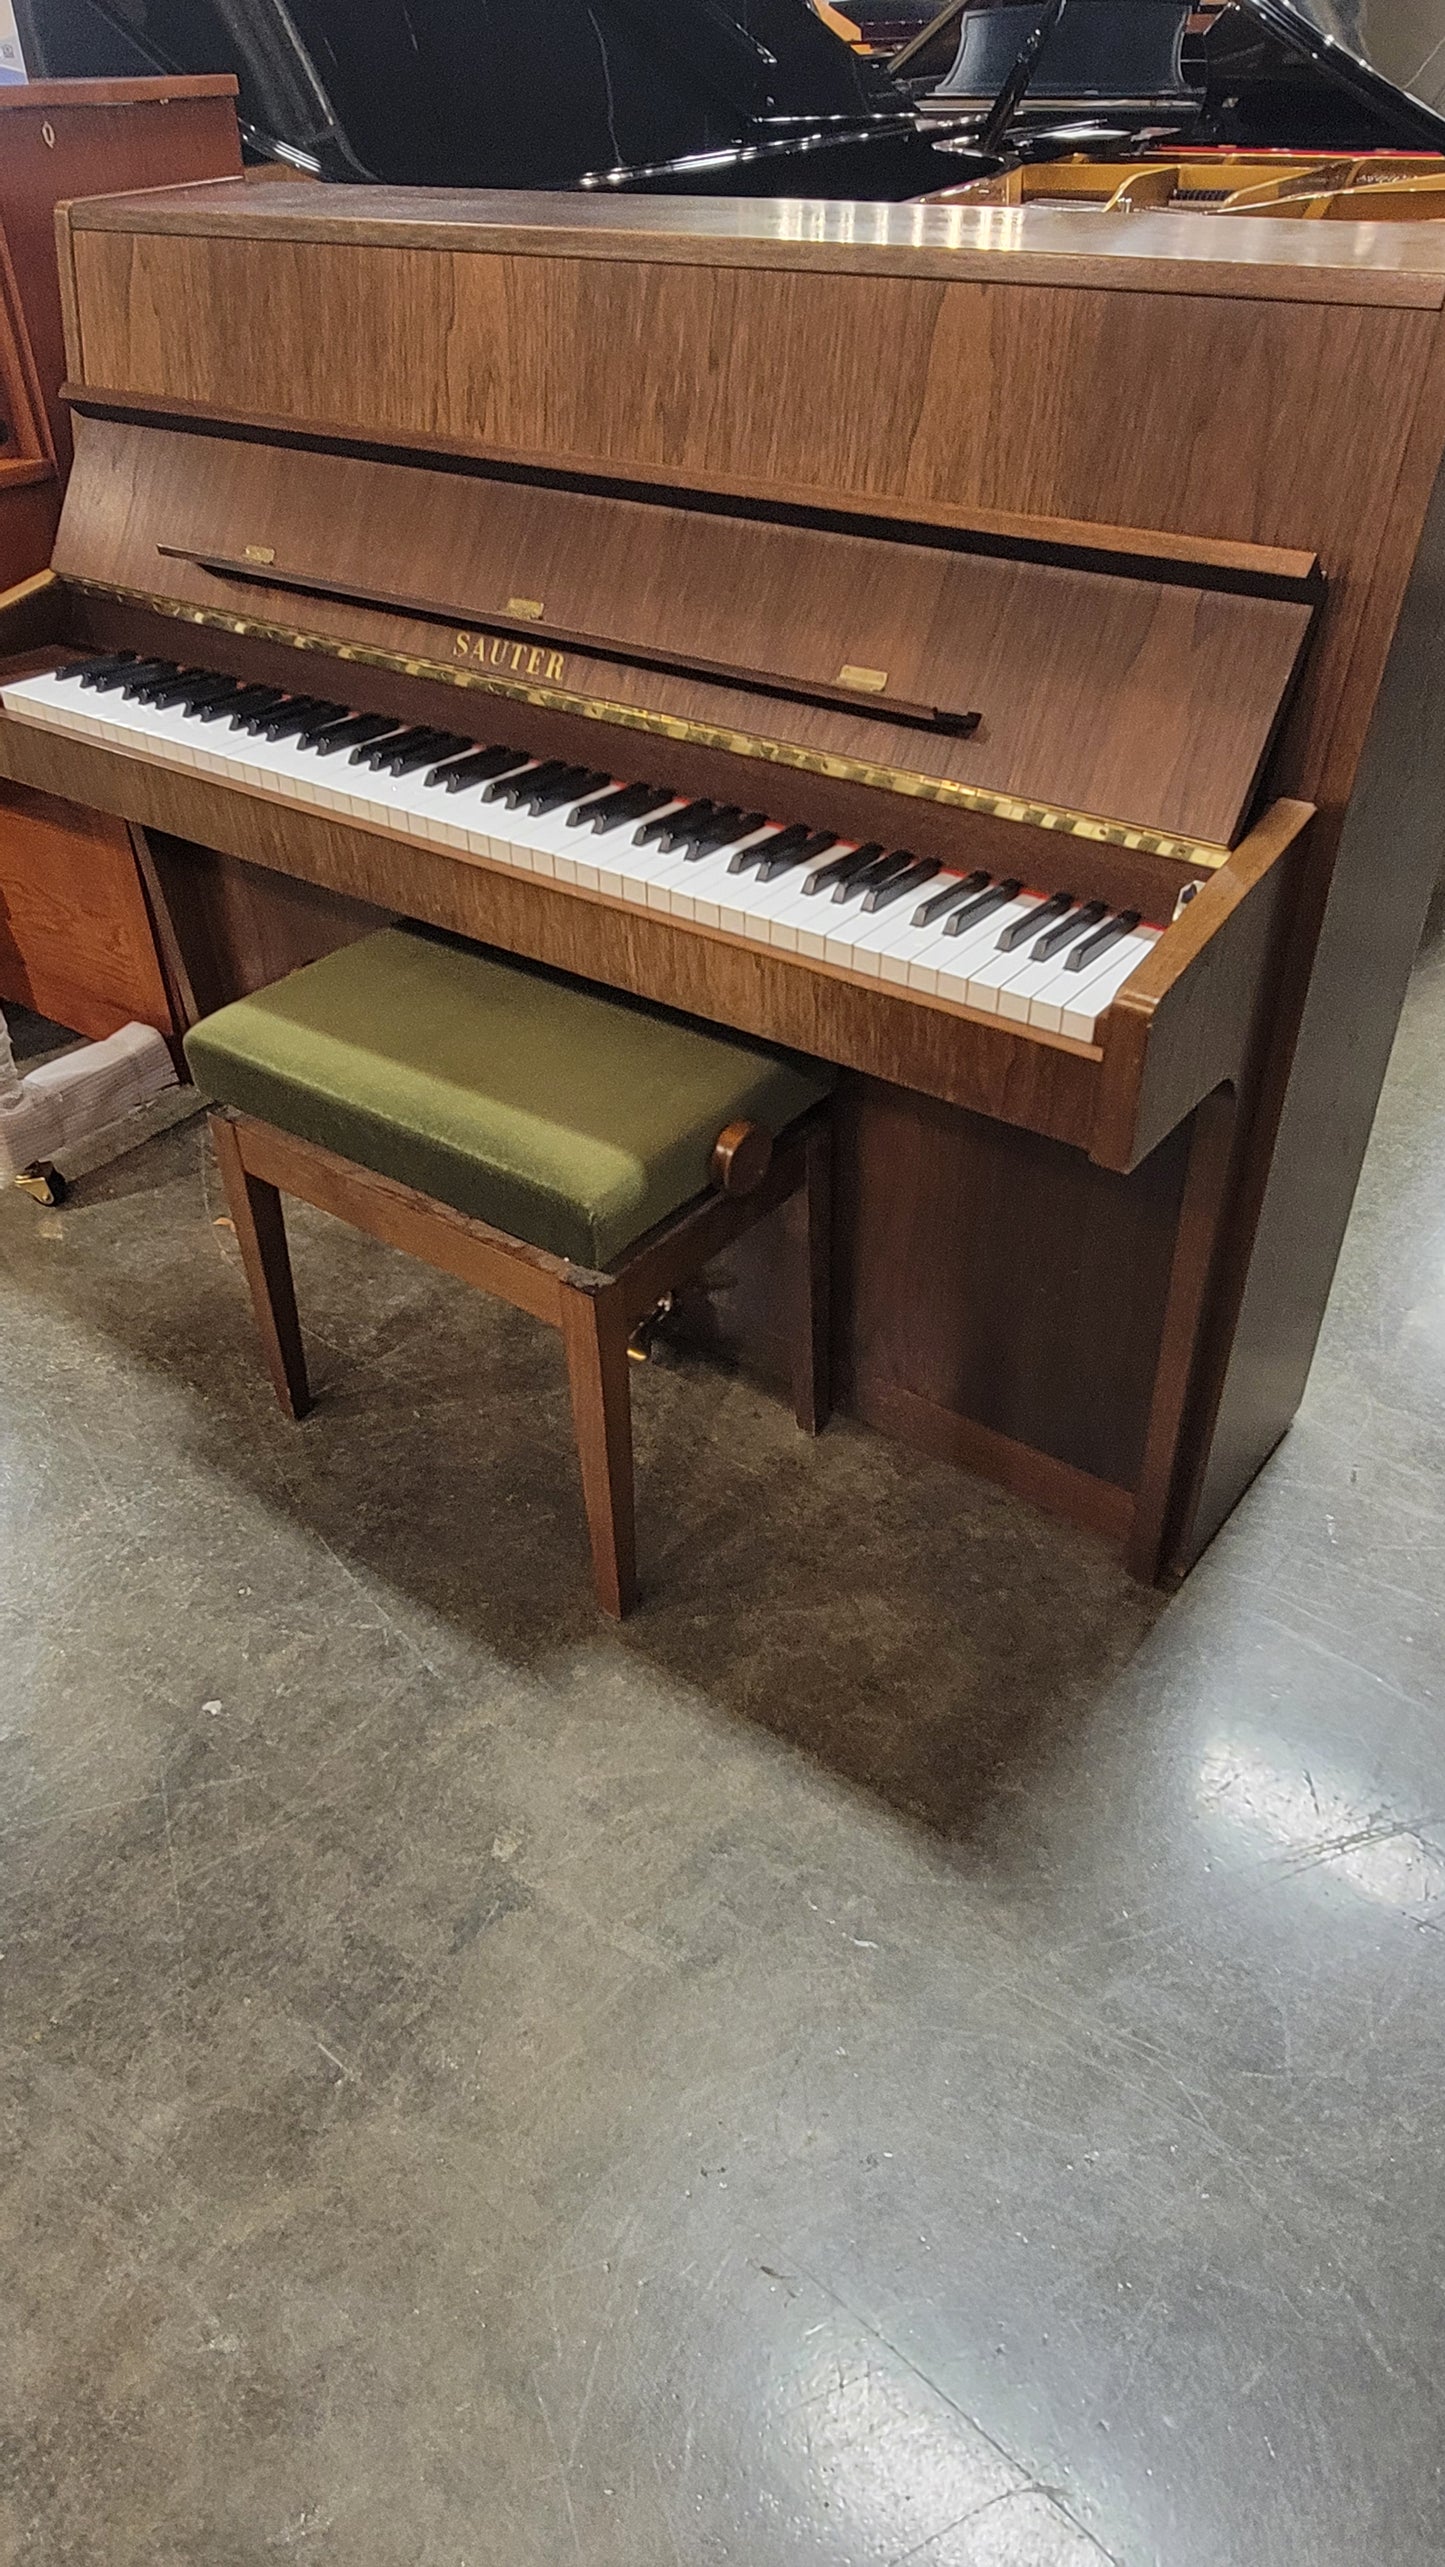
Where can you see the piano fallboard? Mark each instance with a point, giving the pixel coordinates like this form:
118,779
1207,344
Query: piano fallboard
717,944
893,652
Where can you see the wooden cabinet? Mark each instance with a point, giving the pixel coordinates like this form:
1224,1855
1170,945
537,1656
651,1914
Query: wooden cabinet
76,940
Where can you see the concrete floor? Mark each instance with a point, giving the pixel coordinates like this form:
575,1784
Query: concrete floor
912,2050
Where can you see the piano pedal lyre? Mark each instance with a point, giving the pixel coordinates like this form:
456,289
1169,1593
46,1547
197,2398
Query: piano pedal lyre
644,1335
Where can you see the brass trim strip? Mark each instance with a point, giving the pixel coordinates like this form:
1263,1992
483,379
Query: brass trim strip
702,735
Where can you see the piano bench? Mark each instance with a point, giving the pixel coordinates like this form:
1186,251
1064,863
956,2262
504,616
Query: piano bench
574,1152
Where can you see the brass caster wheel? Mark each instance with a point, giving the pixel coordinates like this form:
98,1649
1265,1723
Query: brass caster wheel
45,1183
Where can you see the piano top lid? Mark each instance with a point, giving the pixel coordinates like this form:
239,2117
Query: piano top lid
1377,263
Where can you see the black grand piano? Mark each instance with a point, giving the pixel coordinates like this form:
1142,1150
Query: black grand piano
761,97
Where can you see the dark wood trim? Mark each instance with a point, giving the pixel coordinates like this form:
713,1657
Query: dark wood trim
1196,1247
1055,1486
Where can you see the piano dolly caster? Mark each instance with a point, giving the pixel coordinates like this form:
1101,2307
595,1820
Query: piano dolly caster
44,1182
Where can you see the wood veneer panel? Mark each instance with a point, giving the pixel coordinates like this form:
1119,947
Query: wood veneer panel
47,95
1136,700
1045,246
991,1275
237,927
75,932
1338,1002
64,139
1021,399
1195,555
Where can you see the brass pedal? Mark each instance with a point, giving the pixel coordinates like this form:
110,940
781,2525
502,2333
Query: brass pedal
640,1343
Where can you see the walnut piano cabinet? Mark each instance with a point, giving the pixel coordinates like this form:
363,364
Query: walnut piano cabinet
77,941
769,510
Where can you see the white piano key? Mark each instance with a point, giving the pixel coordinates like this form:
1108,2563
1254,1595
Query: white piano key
957,959
1080,1017
1068,989
800,908
616,864
884,944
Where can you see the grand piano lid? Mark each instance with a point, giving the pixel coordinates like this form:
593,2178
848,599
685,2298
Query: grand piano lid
1388,54
1123,53
1270,68
516,93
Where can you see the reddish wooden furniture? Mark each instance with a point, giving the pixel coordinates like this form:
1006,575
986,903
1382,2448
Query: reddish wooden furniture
76,940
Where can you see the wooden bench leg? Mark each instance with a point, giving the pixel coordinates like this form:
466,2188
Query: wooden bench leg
807,1215
261,1234
595,1335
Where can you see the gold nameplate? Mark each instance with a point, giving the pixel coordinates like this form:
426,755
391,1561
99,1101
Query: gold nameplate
869,681
531,607
516,659
260,552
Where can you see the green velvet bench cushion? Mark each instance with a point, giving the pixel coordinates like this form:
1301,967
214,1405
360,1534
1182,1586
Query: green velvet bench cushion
563,1115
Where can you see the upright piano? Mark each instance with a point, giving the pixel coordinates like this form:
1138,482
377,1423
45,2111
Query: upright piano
997,654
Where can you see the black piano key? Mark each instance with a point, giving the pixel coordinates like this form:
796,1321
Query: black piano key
656,833
378,754
724,831
254,705
427,753
1020,930
138,684
998,896
565,788
457,773
190,692
1123,923
172,688
358,732
394,757
1078,923
784,842
219,695
121,676
883,869
169,685
511,791
85,672
929,911
630,802
842,869
776,861
681,832
903,885
291,719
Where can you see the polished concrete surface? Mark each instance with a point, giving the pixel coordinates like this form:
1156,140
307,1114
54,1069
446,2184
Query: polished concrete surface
913,2049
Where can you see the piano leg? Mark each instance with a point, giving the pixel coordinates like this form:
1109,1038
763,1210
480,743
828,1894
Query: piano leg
807,1297
594,1332
261,1235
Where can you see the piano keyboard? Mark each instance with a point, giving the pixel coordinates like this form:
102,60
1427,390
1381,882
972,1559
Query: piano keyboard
990,944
